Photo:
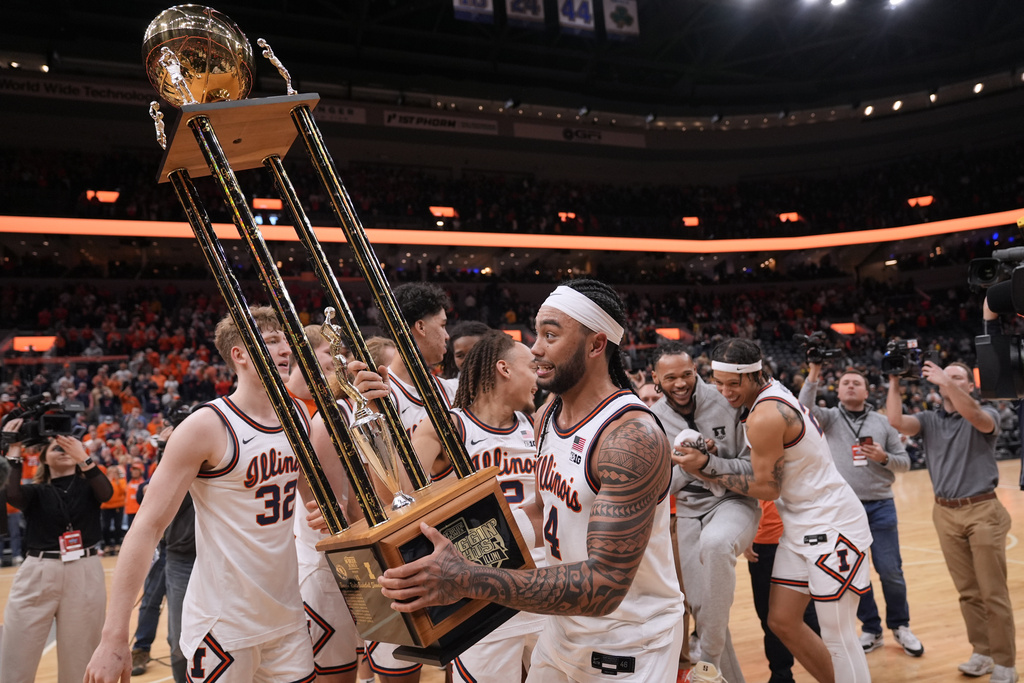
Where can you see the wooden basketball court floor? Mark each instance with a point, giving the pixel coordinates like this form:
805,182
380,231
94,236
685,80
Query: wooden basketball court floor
935,614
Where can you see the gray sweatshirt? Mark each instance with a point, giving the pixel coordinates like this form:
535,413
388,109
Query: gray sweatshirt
715,419
842,429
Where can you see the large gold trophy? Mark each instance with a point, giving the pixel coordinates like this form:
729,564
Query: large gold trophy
200,61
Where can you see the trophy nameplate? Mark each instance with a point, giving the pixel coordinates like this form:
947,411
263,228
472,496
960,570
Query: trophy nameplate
470,512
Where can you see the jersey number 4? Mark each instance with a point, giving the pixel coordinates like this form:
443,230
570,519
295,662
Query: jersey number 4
551,533
276,509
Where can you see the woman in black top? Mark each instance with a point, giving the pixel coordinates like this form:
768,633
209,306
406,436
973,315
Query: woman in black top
62,576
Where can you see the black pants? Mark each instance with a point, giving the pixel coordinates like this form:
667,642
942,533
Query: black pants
780,660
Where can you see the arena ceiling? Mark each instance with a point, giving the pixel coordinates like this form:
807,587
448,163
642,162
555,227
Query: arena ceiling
693,55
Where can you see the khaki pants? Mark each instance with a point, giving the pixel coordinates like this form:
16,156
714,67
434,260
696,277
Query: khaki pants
73,593
973,541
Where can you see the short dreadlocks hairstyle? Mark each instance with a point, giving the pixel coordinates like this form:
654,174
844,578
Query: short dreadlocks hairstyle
478,370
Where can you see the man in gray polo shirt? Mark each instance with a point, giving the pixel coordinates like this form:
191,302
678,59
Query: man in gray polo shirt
959,445
870,469
713,527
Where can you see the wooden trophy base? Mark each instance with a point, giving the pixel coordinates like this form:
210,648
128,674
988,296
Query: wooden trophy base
470,512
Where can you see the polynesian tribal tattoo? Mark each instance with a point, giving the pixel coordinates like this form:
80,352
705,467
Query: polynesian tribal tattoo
741,482
633,466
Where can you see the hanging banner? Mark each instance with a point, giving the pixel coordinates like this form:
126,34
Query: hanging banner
621,20
526,13
481,11
576,16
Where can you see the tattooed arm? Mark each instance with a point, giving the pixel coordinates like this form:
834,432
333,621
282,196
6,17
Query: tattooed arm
632,464
769,425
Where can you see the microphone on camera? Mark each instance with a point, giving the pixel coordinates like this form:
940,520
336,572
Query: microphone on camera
1000,297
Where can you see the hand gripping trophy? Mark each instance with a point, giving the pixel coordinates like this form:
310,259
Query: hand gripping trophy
200,61
368,429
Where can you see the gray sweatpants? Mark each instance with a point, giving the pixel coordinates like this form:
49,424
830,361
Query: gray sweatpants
708,548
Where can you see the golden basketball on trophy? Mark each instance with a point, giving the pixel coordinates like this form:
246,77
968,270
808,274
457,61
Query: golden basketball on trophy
200,61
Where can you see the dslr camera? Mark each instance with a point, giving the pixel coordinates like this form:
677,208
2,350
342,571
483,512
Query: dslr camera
904,357
42,419
814,347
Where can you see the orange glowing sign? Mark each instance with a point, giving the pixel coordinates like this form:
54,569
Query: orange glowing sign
691,221
425,238
565,216
921,201
267,204
845,328
515,334
668,332
444,212
791,217
36,344
102,196
977,377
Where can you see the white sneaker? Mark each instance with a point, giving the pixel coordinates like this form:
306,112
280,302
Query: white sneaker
911,645
705,672
1004,674
870,641
977,665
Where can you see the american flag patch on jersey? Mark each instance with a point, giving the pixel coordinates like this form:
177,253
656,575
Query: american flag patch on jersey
578,443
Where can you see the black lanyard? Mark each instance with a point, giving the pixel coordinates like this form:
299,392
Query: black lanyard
62,503
863,419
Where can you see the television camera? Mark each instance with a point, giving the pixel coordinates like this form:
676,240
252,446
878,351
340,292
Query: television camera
1000,356
42,419
904,357
815,346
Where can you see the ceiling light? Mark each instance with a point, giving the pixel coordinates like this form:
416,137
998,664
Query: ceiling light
896,105
837,3
932,97
869,110
978,87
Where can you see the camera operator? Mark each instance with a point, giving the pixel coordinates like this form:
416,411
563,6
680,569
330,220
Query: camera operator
959,443
62,576
868,452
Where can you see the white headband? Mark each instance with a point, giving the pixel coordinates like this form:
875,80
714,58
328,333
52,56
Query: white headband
733,367
583,310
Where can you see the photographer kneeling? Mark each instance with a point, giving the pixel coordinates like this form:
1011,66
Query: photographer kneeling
62,576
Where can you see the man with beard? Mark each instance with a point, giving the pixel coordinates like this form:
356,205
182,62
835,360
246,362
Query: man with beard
491,417
602,482
713,525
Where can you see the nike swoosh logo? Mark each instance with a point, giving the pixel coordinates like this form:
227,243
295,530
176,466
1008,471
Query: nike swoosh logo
245,441
473,443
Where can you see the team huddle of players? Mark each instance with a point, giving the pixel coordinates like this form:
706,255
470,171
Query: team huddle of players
589,479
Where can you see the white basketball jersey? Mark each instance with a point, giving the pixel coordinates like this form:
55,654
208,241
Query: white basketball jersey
814,498
653,604
306,538
244,586
410,406
514,452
